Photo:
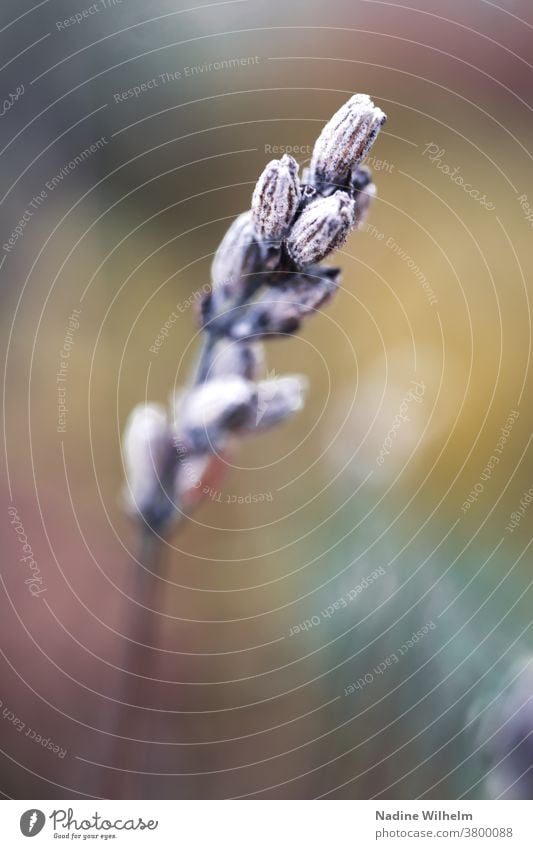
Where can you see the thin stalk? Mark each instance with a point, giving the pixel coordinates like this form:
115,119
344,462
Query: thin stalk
204,361
144,586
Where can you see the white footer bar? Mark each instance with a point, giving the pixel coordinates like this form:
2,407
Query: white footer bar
265,824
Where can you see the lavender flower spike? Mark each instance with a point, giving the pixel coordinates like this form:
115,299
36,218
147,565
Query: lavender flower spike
345,140
266,282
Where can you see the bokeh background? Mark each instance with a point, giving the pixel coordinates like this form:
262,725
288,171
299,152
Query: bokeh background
196,682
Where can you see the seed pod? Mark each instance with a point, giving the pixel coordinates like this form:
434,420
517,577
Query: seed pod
281,308
275,199
239,255
321,228
212,410
147,445
345,140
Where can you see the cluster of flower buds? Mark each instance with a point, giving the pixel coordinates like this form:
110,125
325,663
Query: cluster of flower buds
266,279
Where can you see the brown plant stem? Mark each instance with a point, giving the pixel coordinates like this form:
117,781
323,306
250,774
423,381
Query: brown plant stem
143,586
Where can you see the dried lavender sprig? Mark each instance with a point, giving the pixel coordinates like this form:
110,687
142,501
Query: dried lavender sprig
276,246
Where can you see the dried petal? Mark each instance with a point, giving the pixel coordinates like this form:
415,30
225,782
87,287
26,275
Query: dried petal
147,444
280,309
345,140
277,399
212,410
276,198
321,228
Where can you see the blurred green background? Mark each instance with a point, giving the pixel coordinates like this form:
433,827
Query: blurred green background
196,688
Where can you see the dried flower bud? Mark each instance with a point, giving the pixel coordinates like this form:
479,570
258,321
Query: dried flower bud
321,228
237,358
345,140
238,257
147,445
212,410
277,399
276,198
281,309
